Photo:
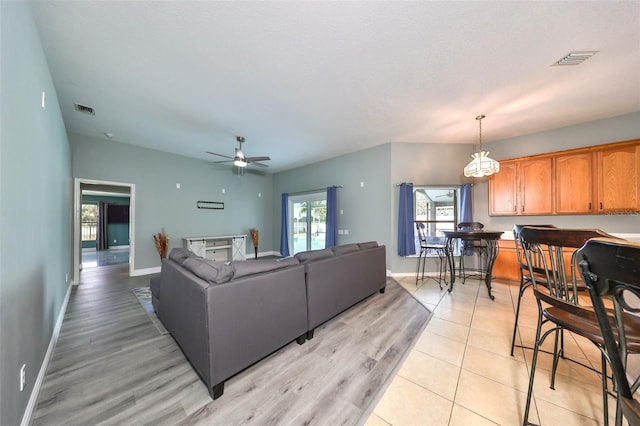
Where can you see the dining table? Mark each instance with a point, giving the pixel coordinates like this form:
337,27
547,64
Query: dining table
490,238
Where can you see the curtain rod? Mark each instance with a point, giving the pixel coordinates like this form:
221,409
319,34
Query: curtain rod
309,191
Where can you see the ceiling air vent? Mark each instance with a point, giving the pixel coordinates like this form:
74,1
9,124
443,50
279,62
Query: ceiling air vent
85,109
575,58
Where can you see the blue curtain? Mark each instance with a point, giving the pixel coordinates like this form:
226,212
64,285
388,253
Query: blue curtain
332,218
102,239
466,203
284,231
406,243
466,211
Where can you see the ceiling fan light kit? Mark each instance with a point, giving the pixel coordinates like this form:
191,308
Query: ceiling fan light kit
239,159
481,164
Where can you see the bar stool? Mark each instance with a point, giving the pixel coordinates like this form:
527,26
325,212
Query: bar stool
473,247
430,245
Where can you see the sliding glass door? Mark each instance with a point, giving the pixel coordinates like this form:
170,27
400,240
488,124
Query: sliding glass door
307,221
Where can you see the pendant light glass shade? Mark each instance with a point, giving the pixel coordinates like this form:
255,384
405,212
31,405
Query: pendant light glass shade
482,164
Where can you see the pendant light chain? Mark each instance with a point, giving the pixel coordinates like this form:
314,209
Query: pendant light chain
479,118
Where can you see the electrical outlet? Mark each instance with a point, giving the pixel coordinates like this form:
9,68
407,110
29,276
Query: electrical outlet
346,232
23,376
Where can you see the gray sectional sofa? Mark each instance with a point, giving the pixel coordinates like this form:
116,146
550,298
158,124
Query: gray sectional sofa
339,277
226,317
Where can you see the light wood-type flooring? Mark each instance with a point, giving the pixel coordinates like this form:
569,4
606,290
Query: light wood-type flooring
111,366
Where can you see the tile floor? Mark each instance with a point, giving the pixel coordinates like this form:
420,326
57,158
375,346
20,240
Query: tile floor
113,256
460,372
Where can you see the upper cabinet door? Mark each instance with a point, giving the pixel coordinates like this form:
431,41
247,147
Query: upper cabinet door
619,179
502,190
535,176
574,183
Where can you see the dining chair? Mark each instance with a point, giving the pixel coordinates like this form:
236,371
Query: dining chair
611,271
556,250
430,245
525,279
477,247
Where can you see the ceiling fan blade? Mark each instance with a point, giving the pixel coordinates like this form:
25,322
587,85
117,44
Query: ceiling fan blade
222,161
258,164
254,159
220,155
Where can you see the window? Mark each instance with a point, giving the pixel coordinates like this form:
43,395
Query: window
89,221
437,207
307,221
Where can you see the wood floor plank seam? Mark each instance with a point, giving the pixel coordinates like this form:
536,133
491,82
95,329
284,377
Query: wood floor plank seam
111,366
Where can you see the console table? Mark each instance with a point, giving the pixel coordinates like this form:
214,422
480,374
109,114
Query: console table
491,239
224,248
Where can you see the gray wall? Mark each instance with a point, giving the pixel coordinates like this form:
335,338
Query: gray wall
609,130
422,164
35,208
370,212
158,204
365,208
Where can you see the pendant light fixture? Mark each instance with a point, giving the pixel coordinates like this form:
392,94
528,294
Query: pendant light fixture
482,164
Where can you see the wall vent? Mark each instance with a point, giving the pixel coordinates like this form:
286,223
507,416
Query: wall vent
84,109
575,58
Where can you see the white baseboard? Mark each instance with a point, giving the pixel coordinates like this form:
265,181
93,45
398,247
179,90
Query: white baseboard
35,392
146,271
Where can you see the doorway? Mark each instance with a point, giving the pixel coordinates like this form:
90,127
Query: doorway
104,223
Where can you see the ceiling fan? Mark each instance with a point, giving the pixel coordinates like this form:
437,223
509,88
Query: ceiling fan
239,159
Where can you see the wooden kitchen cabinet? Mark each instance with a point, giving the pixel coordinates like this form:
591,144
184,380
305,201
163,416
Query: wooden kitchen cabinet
536,186
502,190
525,187
506,264
574,183
590,180
618,179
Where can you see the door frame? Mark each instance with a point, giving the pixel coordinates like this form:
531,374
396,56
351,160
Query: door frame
307,197
77,221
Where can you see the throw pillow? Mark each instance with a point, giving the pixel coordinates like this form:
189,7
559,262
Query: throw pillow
251,267
368,244
180,254
313,255
344,249
209,270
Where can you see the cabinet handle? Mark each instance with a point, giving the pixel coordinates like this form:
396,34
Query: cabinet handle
589,206
601,205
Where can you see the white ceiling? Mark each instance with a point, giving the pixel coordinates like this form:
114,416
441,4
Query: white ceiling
305,81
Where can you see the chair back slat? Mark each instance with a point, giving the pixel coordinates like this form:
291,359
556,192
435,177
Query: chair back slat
550,254
520,257
611,269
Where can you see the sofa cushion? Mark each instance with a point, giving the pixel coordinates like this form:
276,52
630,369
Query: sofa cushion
368,244
344,249
313,255
209,270
180,254
243,268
